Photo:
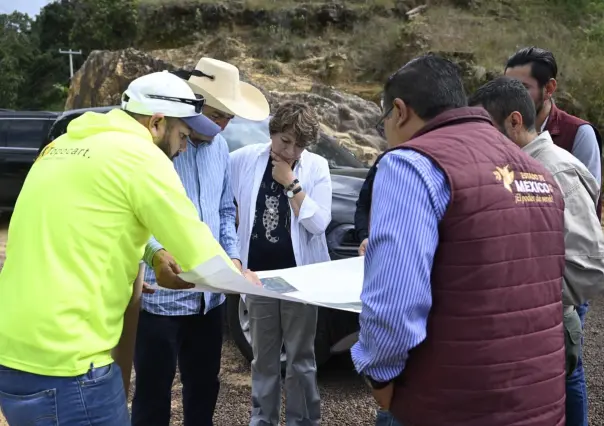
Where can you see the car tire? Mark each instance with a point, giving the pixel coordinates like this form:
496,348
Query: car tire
236,317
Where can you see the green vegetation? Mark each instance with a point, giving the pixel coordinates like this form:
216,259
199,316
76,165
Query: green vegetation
34,74
369,38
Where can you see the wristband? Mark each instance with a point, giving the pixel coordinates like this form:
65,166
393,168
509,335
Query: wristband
291,185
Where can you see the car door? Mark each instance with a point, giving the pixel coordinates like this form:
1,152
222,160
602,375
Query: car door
22,138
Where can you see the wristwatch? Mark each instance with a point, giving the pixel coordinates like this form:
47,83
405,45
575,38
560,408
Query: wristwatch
374,384
291,193
292,185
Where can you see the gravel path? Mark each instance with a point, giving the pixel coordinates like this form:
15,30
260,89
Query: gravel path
593,352
345,400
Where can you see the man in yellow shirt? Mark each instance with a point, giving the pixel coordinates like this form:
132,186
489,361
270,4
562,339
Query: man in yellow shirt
89,205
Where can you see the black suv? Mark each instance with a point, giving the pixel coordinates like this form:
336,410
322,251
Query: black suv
336,330
21,133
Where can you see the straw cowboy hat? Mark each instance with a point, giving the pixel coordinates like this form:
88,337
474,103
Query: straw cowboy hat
218,82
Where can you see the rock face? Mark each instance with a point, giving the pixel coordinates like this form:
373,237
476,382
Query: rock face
105,75
348,118
164,23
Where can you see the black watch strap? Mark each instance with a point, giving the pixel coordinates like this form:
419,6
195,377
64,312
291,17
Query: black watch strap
291,185
374,384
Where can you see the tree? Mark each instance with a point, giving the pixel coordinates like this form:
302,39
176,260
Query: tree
48,74
34,74
104,24
16,53
54,23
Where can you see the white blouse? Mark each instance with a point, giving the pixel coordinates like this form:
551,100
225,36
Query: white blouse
248,165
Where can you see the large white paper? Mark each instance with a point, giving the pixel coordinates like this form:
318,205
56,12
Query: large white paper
335,284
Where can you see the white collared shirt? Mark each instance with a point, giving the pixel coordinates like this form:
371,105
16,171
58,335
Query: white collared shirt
583,237
248,165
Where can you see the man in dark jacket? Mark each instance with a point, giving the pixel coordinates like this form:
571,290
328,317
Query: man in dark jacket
362,213
537,69
462,311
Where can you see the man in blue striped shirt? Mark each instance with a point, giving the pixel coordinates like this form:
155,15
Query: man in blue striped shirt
438,267
424,194
186,327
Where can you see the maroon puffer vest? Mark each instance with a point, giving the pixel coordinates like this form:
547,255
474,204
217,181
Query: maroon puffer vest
563,128
494,351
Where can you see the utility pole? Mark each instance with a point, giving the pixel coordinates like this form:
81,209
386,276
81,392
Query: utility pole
70,53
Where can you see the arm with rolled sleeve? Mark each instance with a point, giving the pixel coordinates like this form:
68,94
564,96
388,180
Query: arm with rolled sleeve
228,213
160,203
410,196
152,247
315,212
586,149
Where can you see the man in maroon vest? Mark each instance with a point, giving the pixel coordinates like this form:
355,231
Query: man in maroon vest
462,313
537,69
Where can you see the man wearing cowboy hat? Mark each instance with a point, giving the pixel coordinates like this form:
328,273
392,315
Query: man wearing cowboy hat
187,326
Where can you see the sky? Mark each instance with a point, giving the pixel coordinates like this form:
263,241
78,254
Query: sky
31,7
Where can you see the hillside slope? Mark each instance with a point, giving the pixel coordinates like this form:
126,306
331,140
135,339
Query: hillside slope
355,44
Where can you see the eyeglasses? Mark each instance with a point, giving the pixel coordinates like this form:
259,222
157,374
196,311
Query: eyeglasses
198,102
380,124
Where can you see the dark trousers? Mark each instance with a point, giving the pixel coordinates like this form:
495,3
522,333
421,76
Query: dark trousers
195,342
385,418
576,389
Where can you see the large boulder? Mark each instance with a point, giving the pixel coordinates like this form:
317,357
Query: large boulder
348,118
342,112
105,75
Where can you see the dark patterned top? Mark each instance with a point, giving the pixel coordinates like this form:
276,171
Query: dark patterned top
271,243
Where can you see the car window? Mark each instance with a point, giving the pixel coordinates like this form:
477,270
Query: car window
241,132
26,133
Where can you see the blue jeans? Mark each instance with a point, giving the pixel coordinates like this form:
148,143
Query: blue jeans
96,398
576,390
384,418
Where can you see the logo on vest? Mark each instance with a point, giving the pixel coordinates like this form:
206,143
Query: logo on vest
530,188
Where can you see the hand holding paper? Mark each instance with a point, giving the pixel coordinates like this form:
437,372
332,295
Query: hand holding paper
166,272
252,277
335,284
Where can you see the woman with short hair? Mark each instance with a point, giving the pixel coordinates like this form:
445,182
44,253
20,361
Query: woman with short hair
283,194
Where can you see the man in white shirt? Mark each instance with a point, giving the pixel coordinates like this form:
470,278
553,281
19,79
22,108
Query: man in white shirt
510,106
181,327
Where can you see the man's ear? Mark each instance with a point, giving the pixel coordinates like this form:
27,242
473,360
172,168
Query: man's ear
516,120
400,112
157,125
550,88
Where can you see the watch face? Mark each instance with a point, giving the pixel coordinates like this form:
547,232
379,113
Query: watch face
290,194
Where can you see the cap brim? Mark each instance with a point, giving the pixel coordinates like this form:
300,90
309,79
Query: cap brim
202,125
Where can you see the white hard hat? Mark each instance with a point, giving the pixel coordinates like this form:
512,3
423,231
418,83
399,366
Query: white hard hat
167,94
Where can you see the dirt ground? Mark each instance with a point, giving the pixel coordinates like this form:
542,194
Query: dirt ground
345,400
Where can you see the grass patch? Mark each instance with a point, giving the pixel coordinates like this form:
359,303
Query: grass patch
376,44
274,4
493,37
